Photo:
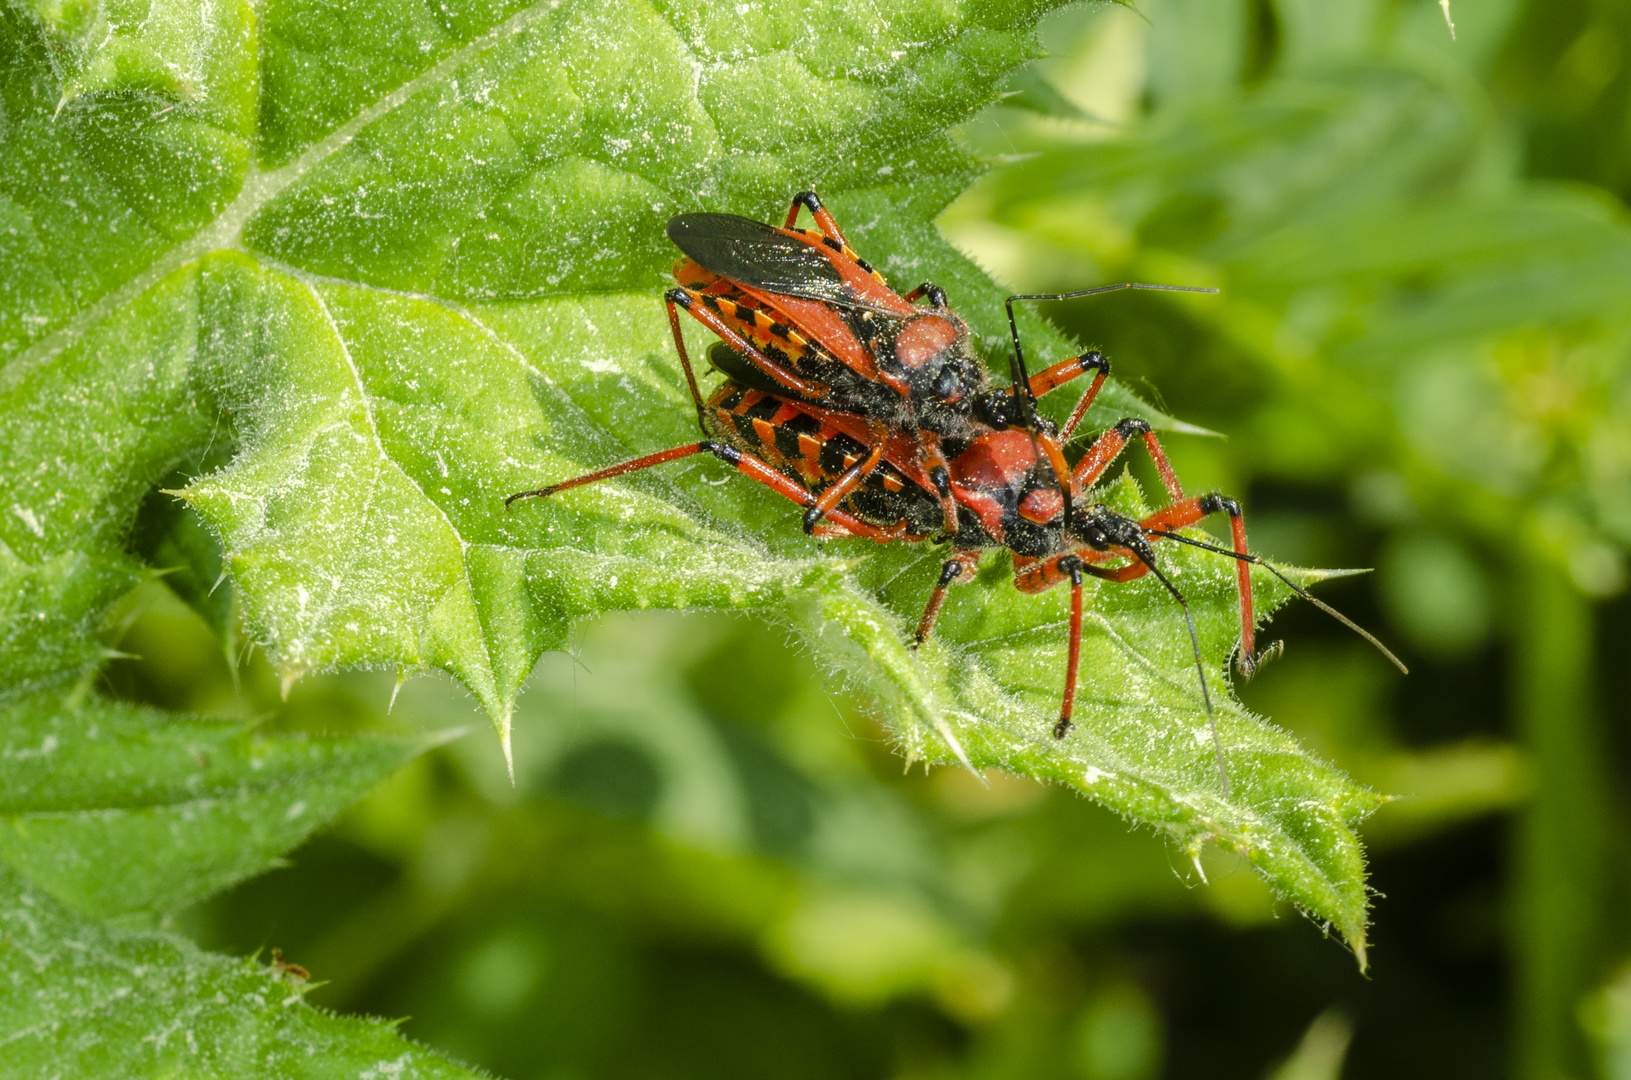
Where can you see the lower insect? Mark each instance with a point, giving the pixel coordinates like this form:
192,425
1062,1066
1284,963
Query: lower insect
998,478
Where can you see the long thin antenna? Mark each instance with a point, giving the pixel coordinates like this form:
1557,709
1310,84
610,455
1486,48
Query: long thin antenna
1022,382
1200,668
1298,589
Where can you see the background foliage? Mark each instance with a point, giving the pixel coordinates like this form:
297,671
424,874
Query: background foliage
710,862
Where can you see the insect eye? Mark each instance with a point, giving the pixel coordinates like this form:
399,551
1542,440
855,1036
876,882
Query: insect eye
1093,536
994,409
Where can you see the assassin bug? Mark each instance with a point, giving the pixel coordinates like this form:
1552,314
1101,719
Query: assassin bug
876,417
801,315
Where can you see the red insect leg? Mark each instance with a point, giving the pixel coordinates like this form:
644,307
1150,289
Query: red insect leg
938,472
610,471
1073,663
936,295
867,283
1065,371
824,220
852,477
1039,575
1036,575
1109,445
744,463
1190,511
687,299
959,566
685,363
1056,459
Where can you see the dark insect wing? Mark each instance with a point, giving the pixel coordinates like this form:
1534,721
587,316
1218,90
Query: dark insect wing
759,256
740,370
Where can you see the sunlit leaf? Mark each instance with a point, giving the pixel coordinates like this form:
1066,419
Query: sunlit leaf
440,284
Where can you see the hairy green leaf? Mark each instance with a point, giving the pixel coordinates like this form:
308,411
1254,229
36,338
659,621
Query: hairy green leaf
85,1000
437,283
115,809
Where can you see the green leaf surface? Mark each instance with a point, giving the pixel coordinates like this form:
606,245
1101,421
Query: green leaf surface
85,1000
115,809
438,283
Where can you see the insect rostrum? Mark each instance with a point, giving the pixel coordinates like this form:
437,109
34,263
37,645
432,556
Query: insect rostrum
871,410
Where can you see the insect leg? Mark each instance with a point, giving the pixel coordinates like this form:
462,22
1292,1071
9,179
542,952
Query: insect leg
1189,511
695,305
746,464
847,483
1063,372
615,470
685,363
1027,400
938,470
1072,566
824,220
961,565
936,295
1035,576
1240,555
1109,445
1039,575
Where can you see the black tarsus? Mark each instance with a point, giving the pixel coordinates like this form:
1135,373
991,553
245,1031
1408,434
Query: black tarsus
1094,360
1130,426
1296,588
934,294
725,452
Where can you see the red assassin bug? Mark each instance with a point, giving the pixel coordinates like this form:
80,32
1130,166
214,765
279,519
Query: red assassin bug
865,465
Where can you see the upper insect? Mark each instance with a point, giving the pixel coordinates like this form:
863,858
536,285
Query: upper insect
802,316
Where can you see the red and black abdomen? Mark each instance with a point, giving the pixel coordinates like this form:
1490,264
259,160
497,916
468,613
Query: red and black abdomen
814,453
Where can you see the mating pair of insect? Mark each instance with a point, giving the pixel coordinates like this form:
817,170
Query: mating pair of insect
871,410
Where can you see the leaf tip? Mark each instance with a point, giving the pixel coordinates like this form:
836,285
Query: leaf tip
944,729
1357,943
291,675
401,677
1183,427
504,743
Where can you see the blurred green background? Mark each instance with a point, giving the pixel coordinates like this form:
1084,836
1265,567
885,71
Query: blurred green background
711,864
